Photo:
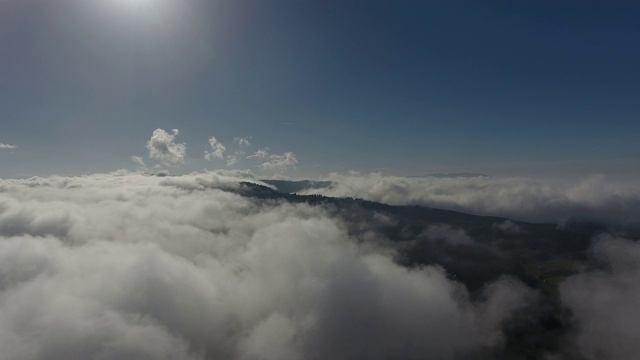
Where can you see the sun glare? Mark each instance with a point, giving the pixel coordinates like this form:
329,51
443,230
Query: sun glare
149,13
137,4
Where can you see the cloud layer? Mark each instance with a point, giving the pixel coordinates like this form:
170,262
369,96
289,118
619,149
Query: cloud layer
594,198
123,265
7,146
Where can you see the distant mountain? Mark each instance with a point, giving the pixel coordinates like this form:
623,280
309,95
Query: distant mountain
291,186
451,175
288,186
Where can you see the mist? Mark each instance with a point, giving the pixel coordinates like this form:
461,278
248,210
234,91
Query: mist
605,300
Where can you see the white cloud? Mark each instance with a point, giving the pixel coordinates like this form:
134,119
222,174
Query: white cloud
243,141
7,146
280,177
244,174
130,266
605,302
594,198
231,159
138,160
280,162
217,149
259,154
162,147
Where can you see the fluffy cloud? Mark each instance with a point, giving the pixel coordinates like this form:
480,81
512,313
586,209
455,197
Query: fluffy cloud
243,141
605,302
217,149
124,265
162,147
7,146
280,162
259,154
594,198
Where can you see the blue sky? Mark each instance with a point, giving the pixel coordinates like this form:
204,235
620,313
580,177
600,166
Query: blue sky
535,88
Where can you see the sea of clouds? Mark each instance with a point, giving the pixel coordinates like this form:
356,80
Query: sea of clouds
127,266
131,266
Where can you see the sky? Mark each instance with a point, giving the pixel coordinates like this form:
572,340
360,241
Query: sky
408,88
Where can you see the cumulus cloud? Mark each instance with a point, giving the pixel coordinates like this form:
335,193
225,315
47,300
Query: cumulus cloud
7,146
124,265
280,162
243,141
605,302
162,147
217,149
259,154
594,198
